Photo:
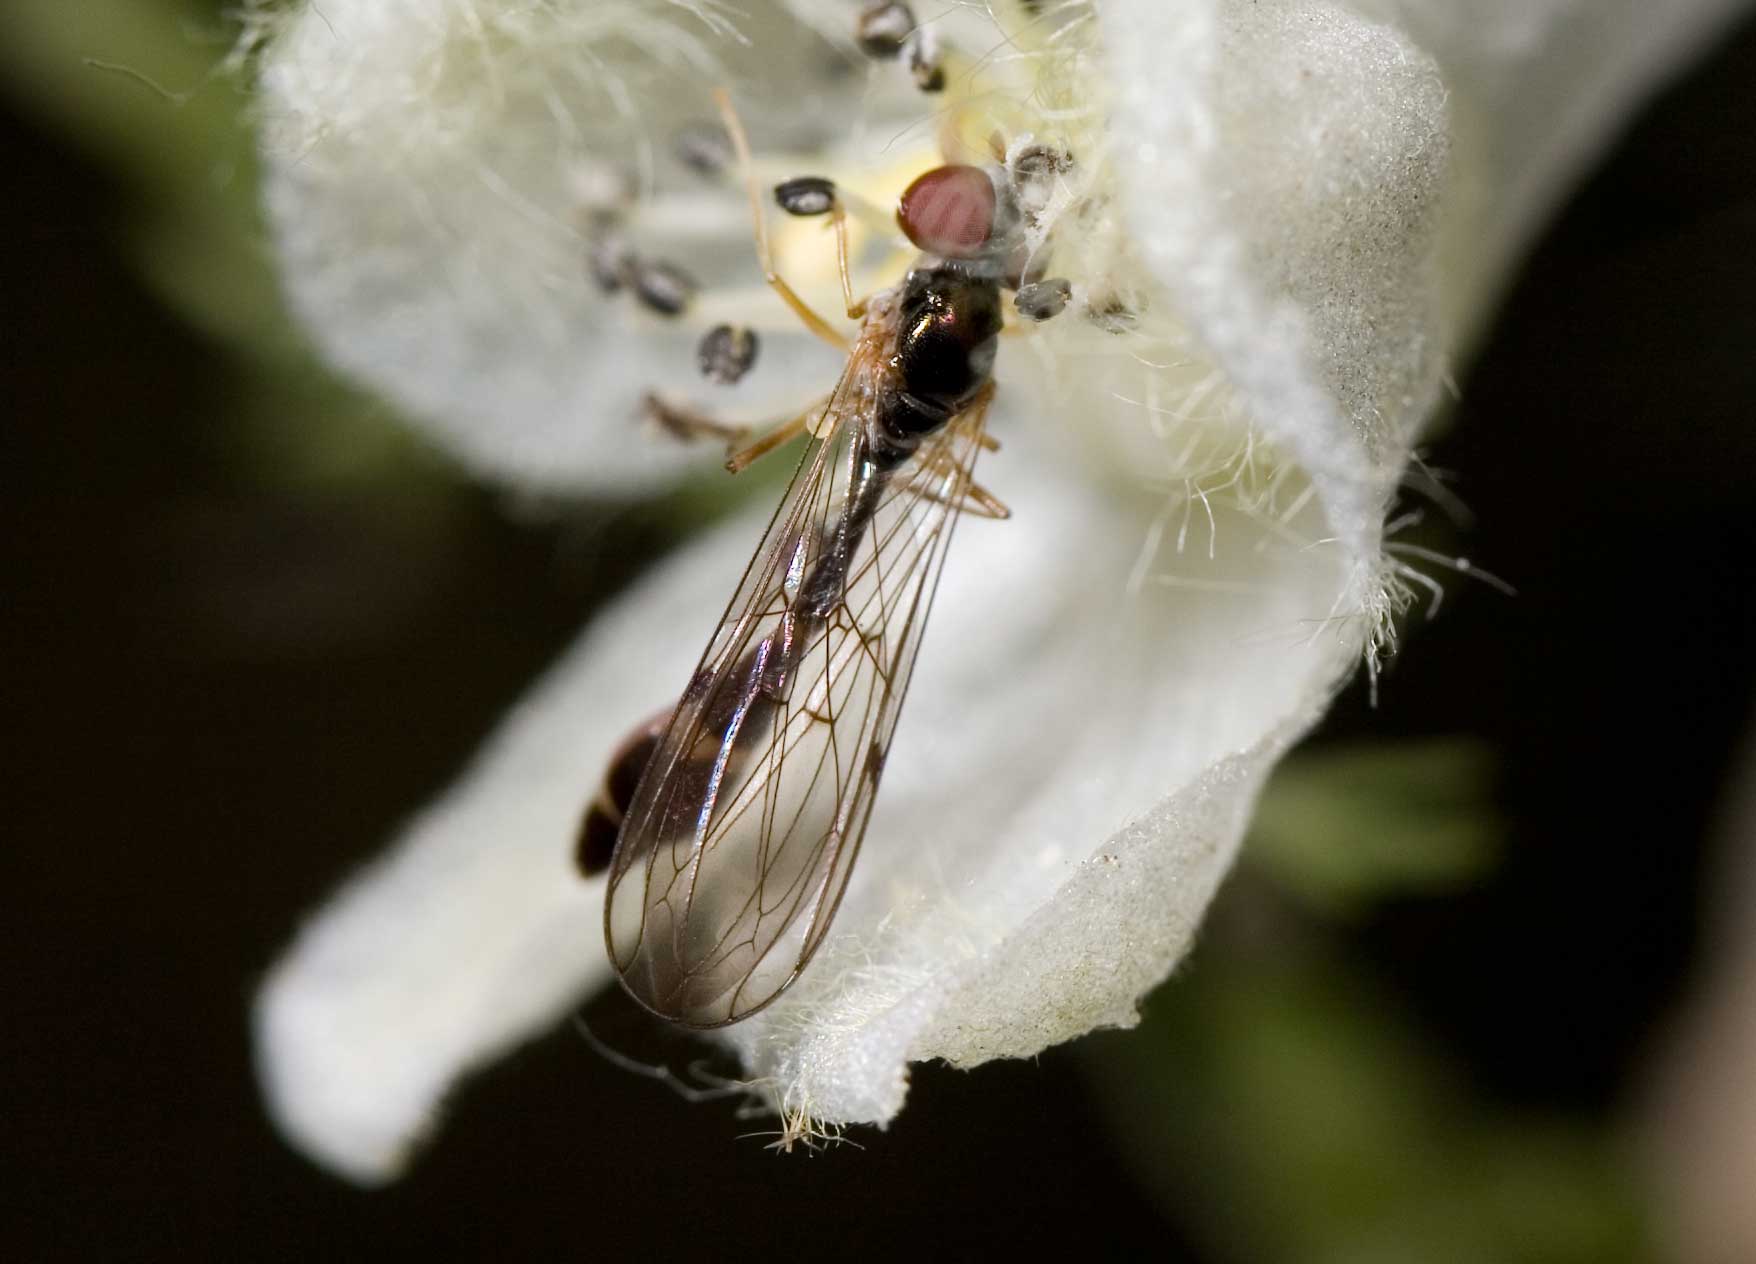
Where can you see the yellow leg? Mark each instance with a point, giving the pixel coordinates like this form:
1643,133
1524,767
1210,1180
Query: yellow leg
689,424
971,497
815,323
967,494
778,437
983,503
840,216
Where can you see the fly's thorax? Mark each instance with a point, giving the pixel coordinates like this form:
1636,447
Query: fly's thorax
948,324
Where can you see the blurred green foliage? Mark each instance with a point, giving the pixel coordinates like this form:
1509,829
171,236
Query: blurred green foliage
1342,827
144,89
1285,1110
1280,1103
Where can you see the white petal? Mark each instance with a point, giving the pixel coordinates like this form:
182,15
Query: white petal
429,168
1538,87
1290,171
475,931
424,163
1289,161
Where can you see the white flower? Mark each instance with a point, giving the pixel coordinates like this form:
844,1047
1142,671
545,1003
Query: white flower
1283,216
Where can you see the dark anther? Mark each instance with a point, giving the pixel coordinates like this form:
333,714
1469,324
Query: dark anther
663,287
882,28
805,195
1034,171
1040,162
726,353
704,148
610,262
924,62
1042,299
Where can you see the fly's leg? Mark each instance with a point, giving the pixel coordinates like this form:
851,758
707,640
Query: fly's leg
964,492
815,323
981,502
690,425
839,216
971,498
778,436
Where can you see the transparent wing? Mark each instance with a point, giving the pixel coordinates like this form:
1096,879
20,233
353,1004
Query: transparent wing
739,840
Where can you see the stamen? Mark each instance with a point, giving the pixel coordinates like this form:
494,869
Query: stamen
1041,300
610,261
883,28
727,353
1033,172
805,195
663,288
925,60
703,148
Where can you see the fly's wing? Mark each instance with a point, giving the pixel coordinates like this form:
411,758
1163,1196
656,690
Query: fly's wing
738,843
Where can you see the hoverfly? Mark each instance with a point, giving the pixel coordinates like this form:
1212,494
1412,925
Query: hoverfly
738,820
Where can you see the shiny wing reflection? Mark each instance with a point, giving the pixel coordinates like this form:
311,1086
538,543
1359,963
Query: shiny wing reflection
739,841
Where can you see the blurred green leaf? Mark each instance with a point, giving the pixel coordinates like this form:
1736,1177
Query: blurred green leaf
140,86
1284,1112
1341,828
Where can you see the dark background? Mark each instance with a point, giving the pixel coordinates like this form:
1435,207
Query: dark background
221,695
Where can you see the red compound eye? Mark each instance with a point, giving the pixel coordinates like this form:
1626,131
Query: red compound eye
949,211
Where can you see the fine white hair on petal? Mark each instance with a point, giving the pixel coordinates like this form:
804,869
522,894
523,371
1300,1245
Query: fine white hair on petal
1289,160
